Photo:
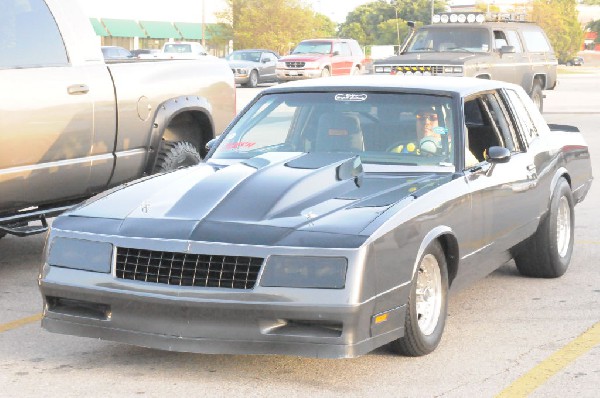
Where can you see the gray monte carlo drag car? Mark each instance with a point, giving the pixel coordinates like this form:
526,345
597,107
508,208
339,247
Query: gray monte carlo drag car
333,216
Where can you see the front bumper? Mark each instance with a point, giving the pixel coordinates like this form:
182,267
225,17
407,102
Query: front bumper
323,323
297,74
241,78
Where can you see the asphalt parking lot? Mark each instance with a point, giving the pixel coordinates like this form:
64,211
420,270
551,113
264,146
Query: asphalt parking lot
506,336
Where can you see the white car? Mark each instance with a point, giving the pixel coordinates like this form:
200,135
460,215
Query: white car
183,50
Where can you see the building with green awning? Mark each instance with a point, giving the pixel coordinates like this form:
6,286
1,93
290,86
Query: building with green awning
98,27
123,28
190,30
160,30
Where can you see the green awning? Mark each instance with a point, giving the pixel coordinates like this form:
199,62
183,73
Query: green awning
160,30
123,28
190,30
98,28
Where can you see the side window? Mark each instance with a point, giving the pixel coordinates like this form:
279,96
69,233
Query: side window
527,117
535,41
337,47
513,40
487,124
499,40
29,36
345,50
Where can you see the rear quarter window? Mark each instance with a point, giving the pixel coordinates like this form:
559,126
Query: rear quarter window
535,41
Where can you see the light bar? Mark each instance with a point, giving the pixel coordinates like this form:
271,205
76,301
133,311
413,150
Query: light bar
458,18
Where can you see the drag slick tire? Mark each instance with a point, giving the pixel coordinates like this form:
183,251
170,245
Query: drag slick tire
547,253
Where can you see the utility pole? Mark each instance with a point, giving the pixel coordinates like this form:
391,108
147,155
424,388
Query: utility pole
203,26
431,11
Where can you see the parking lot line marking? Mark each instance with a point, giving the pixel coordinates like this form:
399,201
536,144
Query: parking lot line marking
589,242
537,376
19,322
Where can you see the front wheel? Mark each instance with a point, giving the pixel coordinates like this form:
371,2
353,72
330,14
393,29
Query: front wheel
547,253
427,305
325,72
175,155
252,79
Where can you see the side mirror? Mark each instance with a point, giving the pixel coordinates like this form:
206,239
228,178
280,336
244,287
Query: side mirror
335,53
210,144
497,154
507,50
264,60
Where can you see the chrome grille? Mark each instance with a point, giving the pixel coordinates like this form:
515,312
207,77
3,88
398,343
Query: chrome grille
295,64
184,269
419,69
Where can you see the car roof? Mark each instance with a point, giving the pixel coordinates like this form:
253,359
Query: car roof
464,86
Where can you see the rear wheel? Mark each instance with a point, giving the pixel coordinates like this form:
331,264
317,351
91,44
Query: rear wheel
175,155
427,305
537,96
547,253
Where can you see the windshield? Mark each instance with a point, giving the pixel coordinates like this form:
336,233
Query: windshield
383,129
313,47
253,56
455,39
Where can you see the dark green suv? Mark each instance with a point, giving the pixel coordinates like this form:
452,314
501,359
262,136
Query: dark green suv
469,45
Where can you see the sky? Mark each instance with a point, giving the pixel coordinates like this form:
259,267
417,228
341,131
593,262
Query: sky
191,10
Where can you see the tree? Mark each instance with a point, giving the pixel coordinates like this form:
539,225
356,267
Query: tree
558,18
274,24
375,22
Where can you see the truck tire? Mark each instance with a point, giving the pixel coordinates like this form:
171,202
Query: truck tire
175,155
537,96
325,72
547,253
427,306
252,79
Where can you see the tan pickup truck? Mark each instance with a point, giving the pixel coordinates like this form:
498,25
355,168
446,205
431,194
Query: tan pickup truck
72,125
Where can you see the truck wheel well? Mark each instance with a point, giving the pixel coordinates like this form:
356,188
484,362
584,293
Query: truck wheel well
190,126
541,79
486,77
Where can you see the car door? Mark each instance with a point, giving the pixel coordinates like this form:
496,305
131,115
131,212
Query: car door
504,190
47,120
268,63
340,59
505,63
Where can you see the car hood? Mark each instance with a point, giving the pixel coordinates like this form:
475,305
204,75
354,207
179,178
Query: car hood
446,58
242,64
273,199
303,57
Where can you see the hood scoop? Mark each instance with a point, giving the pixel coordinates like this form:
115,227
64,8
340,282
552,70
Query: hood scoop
350,168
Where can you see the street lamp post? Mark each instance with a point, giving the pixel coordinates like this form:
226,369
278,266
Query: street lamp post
203,25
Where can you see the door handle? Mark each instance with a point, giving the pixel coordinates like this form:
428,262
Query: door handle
78,89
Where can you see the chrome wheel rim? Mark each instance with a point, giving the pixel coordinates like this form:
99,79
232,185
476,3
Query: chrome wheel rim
563,227
428,294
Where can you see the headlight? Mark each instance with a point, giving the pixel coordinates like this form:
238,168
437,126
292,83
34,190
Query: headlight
80,254
457,69
305,272
242,71
379,69
280,65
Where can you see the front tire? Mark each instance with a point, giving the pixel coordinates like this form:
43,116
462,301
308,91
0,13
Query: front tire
252,79
427,306
547,253
175,155
325,72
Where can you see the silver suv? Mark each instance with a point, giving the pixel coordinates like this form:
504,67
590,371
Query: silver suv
468,45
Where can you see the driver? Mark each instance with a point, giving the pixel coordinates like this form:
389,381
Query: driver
429,134
429,137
